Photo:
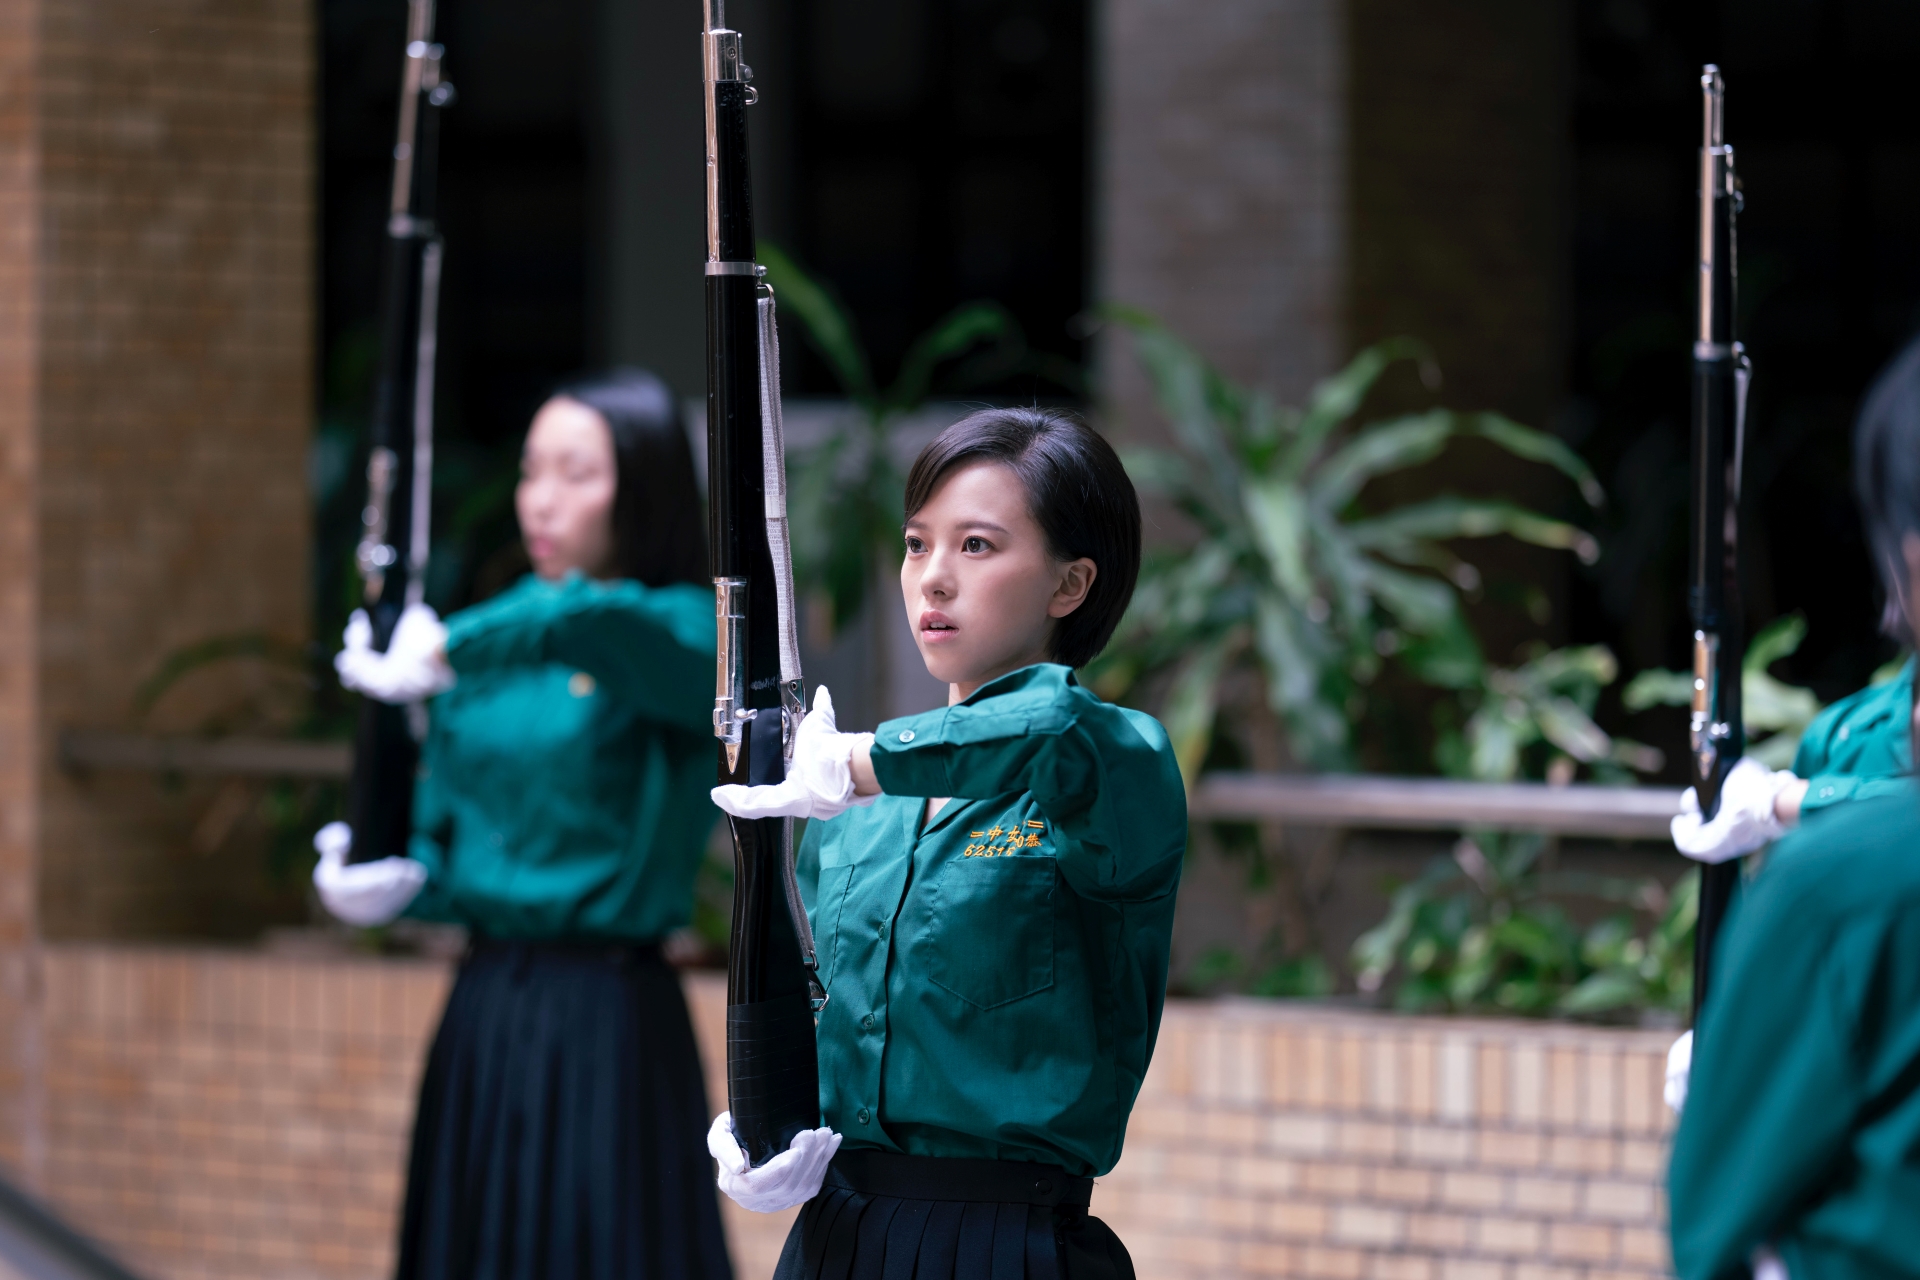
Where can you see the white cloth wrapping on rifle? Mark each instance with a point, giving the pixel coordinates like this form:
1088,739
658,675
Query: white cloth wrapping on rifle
773,461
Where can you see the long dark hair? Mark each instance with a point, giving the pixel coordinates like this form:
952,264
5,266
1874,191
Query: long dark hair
1886,478
659,530
1078,493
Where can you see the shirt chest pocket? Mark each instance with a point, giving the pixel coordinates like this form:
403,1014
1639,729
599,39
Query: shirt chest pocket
829,904
991,929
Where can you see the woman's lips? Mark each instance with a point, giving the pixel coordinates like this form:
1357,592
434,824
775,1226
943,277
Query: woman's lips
937,627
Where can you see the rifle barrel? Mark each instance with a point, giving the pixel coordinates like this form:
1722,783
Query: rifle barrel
772,1072
1716,734
400,461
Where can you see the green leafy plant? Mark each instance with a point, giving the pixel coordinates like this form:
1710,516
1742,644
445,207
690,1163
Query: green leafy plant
1486,928
1769,706
1293,577
847,492
1482,931
1543,710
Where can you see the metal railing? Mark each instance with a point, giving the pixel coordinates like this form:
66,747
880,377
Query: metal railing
1436,804
1355,801
86,749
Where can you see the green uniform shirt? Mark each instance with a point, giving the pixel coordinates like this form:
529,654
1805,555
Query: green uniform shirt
563,788
995,980
1858,747
1802,1123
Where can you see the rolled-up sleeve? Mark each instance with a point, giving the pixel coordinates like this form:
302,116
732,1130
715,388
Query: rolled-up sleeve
1105,778
651,647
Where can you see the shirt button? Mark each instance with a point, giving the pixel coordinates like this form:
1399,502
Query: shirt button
1824,792
883,931
497,839
863,1115
906,735
580,684
866,1023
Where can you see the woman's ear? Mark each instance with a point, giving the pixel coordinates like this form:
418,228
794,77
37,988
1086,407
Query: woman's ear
1076,580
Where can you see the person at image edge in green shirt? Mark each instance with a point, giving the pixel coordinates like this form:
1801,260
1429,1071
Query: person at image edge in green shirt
560,814
1798,1149
991,887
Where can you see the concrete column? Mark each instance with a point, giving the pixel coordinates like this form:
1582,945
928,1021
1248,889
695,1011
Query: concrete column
21,1142
1222,183
156,400
648,158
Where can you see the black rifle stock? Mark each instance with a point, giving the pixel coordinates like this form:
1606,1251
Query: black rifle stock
772,1074
1716,734
386,750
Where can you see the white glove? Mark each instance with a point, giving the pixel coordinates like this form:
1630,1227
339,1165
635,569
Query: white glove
820,784
791,1178
1679,1069
366,893
1745,820
413,667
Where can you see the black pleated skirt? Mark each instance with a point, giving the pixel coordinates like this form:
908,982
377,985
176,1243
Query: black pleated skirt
881,1216
562,1125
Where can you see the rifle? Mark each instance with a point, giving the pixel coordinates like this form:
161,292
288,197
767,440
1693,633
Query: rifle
773,1087
1721,372
386,746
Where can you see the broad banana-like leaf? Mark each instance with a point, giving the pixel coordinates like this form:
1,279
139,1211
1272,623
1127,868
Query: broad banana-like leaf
1495,735
962,329
1536,446
1569,728
1778,639
1387,446
1157,470
1422,605
1656,687
1599,992
1279,521
1766,703
1777,750
1294,655
1337,398
827,325
1181,382
1770,704
1194,700
1397,533
1344,569
1592,663
1449,658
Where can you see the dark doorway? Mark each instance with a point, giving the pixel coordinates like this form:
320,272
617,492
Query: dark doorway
1829,284
940,156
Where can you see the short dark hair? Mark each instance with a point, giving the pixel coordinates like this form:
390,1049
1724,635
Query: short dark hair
1078,492
1886,477
659,530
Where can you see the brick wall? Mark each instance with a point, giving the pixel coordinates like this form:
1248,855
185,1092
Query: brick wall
1286,1140
223,1115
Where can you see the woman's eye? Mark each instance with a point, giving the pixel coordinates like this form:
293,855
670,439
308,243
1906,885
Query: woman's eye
974,545
915,546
